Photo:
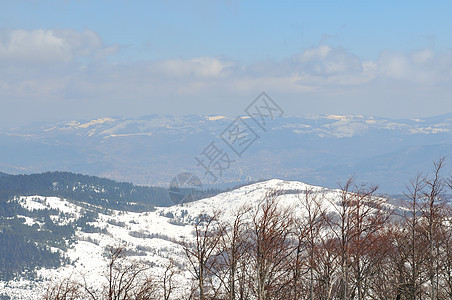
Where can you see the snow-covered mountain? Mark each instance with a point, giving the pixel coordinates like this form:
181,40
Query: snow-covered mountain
150,236
151,150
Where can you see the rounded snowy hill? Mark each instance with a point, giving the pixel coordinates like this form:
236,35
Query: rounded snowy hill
290,193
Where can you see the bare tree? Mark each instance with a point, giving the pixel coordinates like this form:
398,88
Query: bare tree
357,224
447,257
340,226
326,266
308,228
230,268
412,247
203,250
147,289
433,222
66,289
369,216
387,280
125,280
167,279
270,250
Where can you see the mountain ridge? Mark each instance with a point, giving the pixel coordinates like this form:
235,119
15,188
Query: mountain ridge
152,150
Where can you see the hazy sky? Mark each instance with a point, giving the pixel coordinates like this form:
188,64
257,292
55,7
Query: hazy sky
87,59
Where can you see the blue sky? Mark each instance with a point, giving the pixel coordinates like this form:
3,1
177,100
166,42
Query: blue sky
88,59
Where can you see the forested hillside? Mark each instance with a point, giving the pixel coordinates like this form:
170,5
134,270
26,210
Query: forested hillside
23,248
89,189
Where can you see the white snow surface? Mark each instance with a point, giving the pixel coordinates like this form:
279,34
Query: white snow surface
158,231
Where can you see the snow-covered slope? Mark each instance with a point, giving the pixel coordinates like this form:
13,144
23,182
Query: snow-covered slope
249,196
149,236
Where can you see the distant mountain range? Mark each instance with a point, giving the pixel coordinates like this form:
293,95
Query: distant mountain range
152,150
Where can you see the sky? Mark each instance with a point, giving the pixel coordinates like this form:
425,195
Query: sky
84,59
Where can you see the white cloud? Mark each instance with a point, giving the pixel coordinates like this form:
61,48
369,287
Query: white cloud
394,66
198,67
48,46
317,67
422,67
423,56
59,66
327,61
317,53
